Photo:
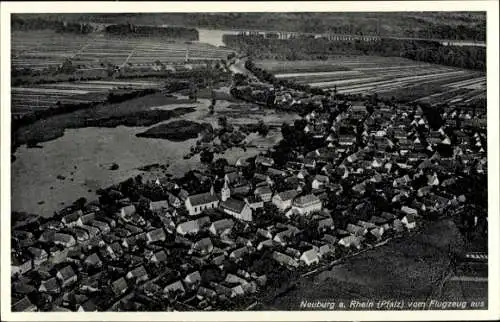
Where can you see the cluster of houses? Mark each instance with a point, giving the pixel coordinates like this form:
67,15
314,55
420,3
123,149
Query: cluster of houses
194,250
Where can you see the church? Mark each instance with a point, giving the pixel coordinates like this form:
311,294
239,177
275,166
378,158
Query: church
239,209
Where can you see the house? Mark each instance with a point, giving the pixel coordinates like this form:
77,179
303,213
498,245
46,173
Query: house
127,211
119,286
66,276
377,232
159,257
193,226
193,278
388,216
71,219
356,230
409,221
284,236
310,257
174,288
50,286
81,235
254,202
239,252
103,226
401,181
24,305
203,246
267,243
325,223
174,201
432,180
39,255
204,292
241,163
265,161
275,172
237,208
358,111
183,195
325,249
329,239
307,204
160,206
283,200
139,274
264,193
195,204
114,250
65,240
380,222
310,163
347,140
93,260
86,218
409,211
87,306
222,226
366,224
319,181
234,178
242,189
350,241
91,230
285,260
156,235
108,220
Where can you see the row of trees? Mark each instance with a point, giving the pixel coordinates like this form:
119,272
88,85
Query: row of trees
171,32
18,23
470,57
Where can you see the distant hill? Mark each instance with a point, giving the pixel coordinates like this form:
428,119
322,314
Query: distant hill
441,25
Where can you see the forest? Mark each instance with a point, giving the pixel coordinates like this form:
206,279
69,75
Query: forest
436,25
39,23
469,57
147,31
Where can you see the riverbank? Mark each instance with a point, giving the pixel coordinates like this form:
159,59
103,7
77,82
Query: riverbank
133,112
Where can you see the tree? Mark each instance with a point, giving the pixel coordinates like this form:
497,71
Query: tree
218,166
80,203
263,129
206,156
239,79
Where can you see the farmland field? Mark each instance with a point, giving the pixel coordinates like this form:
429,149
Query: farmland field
39,50
386,76
26,100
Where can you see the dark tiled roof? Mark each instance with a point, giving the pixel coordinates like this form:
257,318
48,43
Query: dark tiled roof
233,205
202,199
306,200
67,272
287,195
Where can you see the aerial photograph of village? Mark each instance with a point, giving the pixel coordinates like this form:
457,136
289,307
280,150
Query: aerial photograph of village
248,161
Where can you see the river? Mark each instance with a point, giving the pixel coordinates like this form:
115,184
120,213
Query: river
92,151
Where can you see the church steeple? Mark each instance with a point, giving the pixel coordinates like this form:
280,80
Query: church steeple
225,192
